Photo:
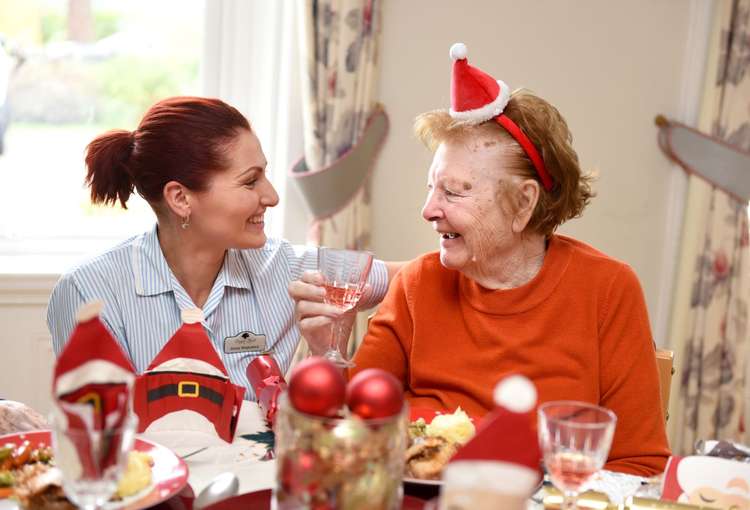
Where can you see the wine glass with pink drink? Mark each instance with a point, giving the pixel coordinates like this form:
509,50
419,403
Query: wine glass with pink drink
345,274
575,438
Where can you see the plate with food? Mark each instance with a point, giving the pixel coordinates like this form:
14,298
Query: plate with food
434,438
29,479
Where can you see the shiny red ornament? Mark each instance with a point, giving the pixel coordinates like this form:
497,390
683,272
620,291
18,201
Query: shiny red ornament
374,393
317,387
299,473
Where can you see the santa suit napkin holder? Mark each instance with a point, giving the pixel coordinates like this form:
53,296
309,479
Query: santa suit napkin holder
188,376
500,467
92,389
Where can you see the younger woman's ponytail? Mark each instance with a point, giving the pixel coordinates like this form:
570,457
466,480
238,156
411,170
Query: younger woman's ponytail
107,171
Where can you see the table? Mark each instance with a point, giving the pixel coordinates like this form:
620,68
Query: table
246,456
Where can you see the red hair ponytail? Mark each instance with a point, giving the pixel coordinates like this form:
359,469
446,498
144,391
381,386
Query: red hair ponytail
107,172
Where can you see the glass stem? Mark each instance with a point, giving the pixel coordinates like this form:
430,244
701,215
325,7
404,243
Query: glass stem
569,500
338,334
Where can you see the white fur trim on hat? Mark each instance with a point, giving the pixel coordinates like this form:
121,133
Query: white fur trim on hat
505,477
96,371
488,111
89,310
516,393
192,315
188,365
458,51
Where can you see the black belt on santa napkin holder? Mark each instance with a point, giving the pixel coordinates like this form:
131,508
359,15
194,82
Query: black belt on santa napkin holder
185,389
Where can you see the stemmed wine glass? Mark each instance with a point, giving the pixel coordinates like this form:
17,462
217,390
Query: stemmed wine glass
91,461
575,438
345,275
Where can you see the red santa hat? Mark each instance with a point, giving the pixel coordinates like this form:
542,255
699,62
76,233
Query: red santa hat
189,349
504,453
188,376
93,376
477,97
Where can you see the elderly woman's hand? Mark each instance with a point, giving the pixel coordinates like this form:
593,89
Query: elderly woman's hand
18,417
314,317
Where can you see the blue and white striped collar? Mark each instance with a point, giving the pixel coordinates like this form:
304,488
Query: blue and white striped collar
153,276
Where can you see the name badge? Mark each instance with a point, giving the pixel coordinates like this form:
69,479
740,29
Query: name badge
246,341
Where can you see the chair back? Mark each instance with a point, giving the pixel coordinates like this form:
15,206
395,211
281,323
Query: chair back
665,367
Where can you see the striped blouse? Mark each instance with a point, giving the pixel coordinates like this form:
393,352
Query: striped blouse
143,299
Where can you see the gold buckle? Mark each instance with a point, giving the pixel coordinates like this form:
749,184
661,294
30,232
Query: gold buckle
92,398
188,389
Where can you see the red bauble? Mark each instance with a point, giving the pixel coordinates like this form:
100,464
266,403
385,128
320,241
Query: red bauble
299,472
317,387
374,393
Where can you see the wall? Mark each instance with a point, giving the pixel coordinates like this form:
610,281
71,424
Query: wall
26,357
609,67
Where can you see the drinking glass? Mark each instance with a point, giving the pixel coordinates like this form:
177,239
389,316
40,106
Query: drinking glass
575,438
91,461
345,275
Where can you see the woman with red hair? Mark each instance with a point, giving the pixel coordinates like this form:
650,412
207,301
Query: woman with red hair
200,166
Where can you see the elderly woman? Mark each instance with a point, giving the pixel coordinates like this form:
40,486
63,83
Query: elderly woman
505,293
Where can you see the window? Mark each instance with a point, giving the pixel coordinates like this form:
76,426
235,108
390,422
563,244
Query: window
69,70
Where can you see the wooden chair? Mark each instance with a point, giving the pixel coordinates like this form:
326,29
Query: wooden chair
665,367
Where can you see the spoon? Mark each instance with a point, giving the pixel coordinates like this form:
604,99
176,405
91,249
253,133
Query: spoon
223,486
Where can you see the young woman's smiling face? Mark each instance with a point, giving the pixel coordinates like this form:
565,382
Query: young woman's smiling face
230,213
463,204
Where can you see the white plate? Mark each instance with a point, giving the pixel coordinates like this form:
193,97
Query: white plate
419,481
169,473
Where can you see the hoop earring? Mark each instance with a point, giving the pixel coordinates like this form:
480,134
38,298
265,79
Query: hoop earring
185,222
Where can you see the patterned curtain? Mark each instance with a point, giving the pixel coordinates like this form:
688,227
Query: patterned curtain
710,317
339,50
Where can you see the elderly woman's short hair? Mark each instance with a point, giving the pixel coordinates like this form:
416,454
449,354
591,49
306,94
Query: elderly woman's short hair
547,129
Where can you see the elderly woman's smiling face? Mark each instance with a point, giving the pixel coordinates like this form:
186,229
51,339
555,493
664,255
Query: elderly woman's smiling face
463,204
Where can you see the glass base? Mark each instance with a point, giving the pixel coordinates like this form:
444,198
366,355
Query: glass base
337,359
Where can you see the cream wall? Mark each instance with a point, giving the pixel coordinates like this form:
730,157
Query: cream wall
609,67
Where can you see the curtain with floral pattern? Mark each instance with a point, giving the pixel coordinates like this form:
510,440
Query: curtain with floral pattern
710,317
339,51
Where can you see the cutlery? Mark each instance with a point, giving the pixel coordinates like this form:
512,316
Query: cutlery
222,487
193,452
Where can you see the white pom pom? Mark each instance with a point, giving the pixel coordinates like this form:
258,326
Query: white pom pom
458,51
192,315
516,393
88,311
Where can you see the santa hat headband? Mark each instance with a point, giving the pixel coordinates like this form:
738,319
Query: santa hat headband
477,97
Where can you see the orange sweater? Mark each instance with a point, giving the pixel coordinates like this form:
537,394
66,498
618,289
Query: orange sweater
579,330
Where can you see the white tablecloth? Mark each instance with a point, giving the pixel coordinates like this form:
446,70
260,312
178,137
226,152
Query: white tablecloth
242,457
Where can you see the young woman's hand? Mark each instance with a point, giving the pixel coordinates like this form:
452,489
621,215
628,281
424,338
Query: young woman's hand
314,317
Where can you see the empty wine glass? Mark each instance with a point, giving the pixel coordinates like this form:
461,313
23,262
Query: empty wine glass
345,275
575,438
91,461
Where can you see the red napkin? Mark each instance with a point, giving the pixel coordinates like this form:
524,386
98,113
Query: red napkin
268,383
